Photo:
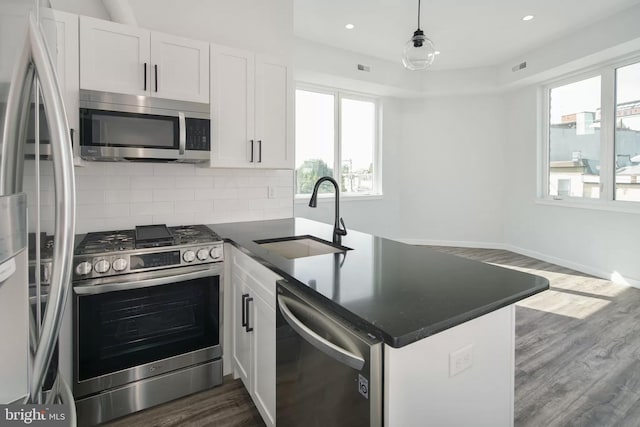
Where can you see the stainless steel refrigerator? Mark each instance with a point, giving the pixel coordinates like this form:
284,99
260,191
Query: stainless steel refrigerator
30,315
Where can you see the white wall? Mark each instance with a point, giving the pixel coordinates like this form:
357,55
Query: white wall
452,170
593,241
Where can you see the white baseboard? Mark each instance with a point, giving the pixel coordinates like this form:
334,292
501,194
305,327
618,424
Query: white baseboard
594,271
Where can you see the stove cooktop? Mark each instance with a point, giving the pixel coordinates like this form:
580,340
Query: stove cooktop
147,248
148,236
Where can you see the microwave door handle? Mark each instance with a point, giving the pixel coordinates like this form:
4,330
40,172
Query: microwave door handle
183,132
330,349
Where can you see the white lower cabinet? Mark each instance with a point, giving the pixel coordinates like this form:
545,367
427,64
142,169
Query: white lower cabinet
253,331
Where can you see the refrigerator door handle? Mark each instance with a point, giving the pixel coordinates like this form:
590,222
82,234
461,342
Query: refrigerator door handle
38,58
330,349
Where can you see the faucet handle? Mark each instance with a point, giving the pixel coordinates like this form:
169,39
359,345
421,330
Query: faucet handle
342,231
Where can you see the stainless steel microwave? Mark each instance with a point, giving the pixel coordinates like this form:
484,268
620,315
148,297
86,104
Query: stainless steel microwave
117,127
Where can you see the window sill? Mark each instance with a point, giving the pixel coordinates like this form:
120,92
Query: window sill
612,206
331,197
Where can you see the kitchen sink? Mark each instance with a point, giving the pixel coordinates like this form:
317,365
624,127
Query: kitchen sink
300,246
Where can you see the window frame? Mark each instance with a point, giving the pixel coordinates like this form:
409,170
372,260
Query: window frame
607,201
338,96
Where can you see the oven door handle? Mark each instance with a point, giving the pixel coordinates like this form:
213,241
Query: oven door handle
137,284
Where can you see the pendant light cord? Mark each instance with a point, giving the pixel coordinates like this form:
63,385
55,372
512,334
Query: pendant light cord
418,14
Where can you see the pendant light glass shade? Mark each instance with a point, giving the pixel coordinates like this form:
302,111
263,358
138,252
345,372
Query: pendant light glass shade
419,52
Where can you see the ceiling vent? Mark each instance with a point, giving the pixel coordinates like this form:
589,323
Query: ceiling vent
520,66
362,67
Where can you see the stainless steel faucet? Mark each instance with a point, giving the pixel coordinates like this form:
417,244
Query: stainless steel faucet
339,229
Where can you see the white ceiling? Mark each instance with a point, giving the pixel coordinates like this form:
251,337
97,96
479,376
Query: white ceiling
469,33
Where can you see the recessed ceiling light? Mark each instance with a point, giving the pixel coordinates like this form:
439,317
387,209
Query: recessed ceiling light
349,26
437,52
527,18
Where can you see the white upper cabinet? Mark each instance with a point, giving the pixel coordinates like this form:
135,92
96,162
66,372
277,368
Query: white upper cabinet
251,110
232,106
180,68
61,35
274,113
124,59
114,57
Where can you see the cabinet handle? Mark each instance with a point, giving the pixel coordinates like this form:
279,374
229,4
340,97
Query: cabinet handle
248,328
155,67
259,151
145,76
244,309
251,151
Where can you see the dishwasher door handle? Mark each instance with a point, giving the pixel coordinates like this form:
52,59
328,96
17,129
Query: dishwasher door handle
330,349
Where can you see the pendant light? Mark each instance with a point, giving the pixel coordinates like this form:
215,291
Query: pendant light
419,51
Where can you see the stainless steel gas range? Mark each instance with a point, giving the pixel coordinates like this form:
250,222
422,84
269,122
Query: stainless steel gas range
147,318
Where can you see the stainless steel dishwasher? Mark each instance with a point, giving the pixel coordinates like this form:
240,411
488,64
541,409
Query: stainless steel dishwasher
328,373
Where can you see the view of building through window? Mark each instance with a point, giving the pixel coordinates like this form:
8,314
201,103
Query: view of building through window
576,141
335,136
627,150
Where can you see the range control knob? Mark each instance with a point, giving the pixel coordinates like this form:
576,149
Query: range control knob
188,256
216,252
203,254
84,268
102,266
120,264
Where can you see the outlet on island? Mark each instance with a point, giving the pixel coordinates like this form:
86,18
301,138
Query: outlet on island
460,360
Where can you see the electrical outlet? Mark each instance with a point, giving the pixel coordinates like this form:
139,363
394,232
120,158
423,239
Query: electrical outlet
271,192
460,360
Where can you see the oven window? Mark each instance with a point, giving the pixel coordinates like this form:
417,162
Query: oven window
120,330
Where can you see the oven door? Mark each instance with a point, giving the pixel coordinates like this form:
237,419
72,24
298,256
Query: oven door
141,325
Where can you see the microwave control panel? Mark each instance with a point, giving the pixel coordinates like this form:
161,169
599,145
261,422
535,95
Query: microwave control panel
198,134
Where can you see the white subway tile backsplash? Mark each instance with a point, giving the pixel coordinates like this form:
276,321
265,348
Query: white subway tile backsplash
194,182
164,169
152,208
229,205
117,196
122,195
89,197
172,220
197,207
168,195
215,193
253,193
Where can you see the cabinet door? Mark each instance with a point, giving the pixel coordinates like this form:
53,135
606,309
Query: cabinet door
241,346
113,57
180,68
61,35
274,113
232,107
264,368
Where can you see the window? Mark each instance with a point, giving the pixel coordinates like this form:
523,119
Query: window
592,138
337,136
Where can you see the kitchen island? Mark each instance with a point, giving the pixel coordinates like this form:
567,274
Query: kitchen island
447,323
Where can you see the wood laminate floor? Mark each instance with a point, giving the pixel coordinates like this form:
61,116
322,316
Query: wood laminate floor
577,358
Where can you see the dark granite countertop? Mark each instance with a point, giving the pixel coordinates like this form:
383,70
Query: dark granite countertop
398,292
